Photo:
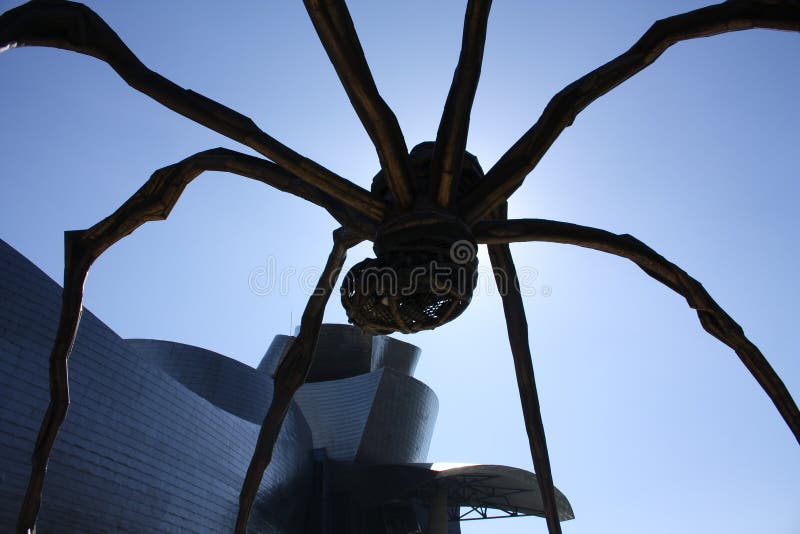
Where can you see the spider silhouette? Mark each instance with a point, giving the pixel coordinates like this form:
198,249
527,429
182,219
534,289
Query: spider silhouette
427,211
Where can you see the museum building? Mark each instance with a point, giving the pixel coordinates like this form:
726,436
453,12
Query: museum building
159,434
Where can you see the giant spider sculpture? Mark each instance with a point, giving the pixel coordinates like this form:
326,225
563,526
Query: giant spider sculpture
428,207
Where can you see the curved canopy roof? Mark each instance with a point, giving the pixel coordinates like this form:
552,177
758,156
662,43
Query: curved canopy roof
476,487
499,487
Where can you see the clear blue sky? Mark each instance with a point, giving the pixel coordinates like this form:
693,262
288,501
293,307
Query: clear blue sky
653,426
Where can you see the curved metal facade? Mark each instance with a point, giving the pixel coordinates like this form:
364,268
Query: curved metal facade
139,451
224,382
378,417
159,434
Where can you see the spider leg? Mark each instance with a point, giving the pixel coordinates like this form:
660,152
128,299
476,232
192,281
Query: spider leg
153,201
76,266
334,26
508,286
451,139
291,374
75,27
510,170
712,317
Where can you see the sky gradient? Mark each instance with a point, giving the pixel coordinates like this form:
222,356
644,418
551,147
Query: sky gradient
652,425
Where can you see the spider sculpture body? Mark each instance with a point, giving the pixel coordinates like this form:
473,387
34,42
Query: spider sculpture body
426,264
426,212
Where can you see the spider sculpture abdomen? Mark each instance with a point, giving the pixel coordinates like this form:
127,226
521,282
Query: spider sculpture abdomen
423,277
